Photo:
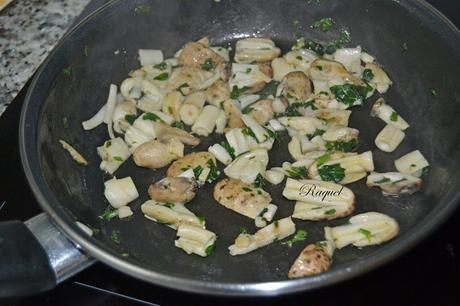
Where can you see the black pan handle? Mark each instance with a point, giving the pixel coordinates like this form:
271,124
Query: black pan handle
35,256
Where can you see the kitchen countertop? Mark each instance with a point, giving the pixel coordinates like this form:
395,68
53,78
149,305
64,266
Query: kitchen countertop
28,32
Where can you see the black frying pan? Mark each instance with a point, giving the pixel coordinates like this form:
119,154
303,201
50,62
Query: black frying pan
68,192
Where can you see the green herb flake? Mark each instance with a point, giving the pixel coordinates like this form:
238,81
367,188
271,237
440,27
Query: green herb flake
297,173
65,122
247,109
394,116
151,116
228,148
197,171
293,109
248,70
315,47
109,213
115,236
142,9
426,171
247,189
366,233
368,75
179,125
275,135
330,212
67,71
350,94
169,205
331,173
86,51
260,181
202,220
130,118
323,159
161,66
210,249
344,146
118,158
213,173
324,24
433,92
276,224
124,254
317,132
300,235
208,64
108,143
162,76
243,230
249,132
384,180
299,57
236,92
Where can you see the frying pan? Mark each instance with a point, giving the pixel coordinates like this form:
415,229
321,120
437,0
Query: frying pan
419,48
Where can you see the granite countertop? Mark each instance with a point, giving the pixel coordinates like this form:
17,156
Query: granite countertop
29,29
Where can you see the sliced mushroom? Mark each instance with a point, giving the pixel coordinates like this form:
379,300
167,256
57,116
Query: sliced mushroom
381,82
173,190
331,72
217,93
262,111
311,261
250,50
394,183
190,161
156,154
188,79
240,197
266,68
165,132
296,84
233,114
195,54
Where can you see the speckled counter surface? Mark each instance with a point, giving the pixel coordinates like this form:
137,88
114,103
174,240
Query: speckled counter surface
29,29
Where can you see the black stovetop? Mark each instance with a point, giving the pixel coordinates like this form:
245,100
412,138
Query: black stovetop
427,275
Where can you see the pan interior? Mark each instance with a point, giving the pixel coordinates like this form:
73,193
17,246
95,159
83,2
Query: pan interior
73,192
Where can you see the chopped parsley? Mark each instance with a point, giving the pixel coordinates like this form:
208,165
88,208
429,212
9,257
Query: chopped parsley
142,9
366,233
65,122
236,92
169,205
249,132
67,71
426,171
202,220
210,249
394,116
214,173
109,213
275,135
208,64
344,146
247,109
297,172
108,143
330,212
262,213
151,116
247,189
324,24
275,223
301,235
268,90
161,66
315,47
162,76
243,230
433,92
115,237
299,57
323,159
317,132
368,75
343,39
384,180
130,118
179,125
333,173
197,171
228,148
248,70
124,254
292,110
350,94
260,181
118,158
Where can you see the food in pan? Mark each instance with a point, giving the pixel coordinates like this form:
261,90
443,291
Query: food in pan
252,99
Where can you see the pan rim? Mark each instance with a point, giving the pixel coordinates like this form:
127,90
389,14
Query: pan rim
96,249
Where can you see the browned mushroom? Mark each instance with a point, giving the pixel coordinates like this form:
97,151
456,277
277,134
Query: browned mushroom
262,111
296,84
165,132
195,54
173,190
312,260
156,154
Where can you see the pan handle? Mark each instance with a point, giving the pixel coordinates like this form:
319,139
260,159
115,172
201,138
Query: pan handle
36,256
